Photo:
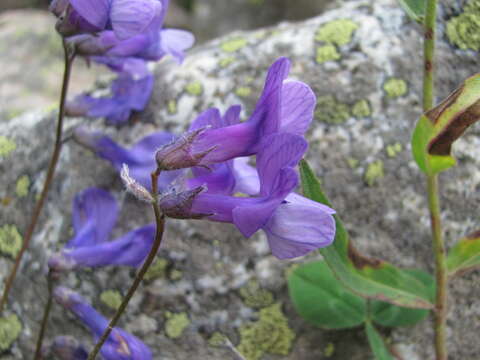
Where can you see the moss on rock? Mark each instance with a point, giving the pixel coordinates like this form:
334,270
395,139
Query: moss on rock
10,240
331,111
157,270
176,324
327,53
254,296
394,149
6,146
374,172
270,334
243,91
464,30
111,298
233,45
194,88
361,109
22,185
395,87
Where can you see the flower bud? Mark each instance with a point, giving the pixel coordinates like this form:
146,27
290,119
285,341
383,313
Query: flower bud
133,187
179,154
92,45
179,205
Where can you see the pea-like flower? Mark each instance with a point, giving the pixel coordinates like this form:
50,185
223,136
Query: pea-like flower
140,158
94,216
120,345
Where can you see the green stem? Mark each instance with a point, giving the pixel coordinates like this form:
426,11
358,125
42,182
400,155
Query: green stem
160,222
432,189
46,313
69,58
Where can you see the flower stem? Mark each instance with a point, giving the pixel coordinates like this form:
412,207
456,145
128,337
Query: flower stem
160,222
46,313
433,193
69,58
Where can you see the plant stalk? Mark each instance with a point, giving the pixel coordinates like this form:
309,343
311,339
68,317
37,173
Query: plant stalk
46,313
433,192
69,58
160,222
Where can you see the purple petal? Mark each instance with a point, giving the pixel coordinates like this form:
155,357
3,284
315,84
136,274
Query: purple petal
96,12
175,42
210,117
94,215
129,250
246,177
130,18
278,151
136,68
120,345
296,229
298,104
219,180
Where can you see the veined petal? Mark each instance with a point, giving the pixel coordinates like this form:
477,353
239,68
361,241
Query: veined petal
94,216
296,229
96,12
130,18
298,104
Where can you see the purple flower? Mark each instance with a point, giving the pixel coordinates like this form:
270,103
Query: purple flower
127,18
140,158
94,215
120,345
128,94
68,348
282,108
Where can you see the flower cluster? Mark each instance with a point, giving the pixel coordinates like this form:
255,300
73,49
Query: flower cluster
122,35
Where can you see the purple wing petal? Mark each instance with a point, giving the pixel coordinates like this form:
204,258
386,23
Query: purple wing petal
296,229
219,180
175,42
232,115
246,177
94,216
94,11
129,250
210,117
278,151
130,18
298,104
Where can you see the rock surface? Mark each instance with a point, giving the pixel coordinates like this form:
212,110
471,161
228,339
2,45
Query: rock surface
368,82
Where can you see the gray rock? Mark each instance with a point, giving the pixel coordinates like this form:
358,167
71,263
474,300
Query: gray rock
386,215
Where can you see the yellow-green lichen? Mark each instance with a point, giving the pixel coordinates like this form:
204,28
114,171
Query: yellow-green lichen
157,270
464,30
6,146
194,88
327,53
254,296
176,275
22,185
361,109
10,328
395,87
329,350
374,172
233,45
226,61
352,162
270,334
331,111
243,91
172,107
176,324
394,149
111,298
217,339
338,32
10,240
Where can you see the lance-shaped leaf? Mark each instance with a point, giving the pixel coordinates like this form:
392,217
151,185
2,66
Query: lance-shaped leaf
414,8
322,300
439,127
367,277
377,344
465,255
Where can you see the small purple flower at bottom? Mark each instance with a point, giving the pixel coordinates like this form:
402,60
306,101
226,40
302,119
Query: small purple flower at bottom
140,158
120,345
94,215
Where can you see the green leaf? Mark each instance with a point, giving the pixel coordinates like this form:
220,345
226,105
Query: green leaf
465,255
439,127
377,344
367,277
390,315
322,300
414,8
